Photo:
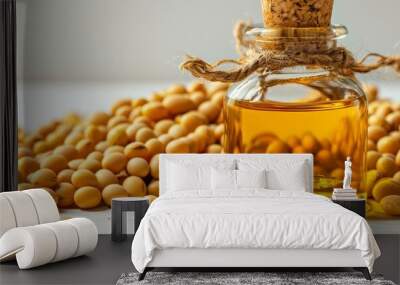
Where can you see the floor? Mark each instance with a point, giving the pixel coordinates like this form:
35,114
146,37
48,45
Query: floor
111,259
103,266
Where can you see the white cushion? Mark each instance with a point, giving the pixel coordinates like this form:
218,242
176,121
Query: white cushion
223,179
185,175
236,179
32,246
67,240
87,235
284,174
7,218
23,208
40,244
45,205
26,208
251,178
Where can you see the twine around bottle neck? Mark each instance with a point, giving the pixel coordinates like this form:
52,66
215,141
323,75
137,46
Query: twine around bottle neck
265,61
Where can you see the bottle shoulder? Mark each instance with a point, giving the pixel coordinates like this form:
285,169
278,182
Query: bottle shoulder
298,88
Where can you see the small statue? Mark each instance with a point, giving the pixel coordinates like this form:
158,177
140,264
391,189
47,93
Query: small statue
347,174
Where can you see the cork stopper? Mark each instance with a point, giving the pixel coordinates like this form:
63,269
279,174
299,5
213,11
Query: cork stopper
297,13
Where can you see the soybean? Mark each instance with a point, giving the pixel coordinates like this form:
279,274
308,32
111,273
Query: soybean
144,134
96,155
65,192
43,177
83,177
113,191
386,166
177,104
90,164
180,145
114,161
87,197
65,176
106,177
153,188
138,167
391,204
190,121
135,186
155,111
74,164
388,144
163,126
68,151
154,146
385,187
27,165
136,149
117,136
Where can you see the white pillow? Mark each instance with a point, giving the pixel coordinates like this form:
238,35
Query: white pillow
281,175
223,179
181,178
184,175
235,179
251,178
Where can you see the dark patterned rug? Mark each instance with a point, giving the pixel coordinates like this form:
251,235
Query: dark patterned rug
243,278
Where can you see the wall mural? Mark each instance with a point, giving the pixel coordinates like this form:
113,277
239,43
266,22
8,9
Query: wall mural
84,161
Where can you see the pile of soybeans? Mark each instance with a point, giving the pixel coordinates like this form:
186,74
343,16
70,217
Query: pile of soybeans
383,156
86,162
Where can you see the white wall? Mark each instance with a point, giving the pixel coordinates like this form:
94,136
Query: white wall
131,40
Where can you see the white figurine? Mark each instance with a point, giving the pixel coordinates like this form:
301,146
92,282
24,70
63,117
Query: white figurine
347,174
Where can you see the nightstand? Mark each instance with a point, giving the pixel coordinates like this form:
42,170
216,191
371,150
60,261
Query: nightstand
357,206
138,205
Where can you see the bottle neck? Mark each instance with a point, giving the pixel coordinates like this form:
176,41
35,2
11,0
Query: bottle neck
300,71
296,51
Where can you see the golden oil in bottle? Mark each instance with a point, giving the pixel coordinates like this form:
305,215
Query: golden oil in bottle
331,129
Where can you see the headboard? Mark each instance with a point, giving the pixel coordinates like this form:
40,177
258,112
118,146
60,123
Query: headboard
209,159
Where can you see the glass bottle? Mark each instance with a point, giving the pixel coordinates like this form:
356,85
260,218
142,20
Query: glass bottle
301,109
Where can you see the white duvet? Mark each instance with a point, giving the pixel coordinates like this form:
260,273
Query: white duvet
252,218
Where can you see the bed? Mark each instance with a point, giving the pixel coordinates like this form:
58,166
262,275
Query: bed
246,211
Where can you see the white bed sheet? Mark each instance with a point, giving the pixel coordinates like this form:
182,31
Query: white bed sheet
251,218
